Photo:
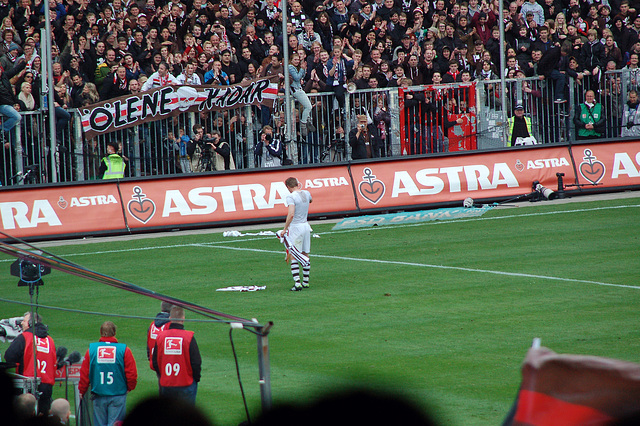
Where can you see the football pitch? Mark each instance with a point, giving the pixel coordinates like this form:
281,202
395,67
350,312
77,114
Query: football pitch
440,312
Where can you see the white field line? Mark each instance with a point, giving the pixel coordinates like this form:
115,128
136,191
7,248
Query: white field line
221,245
426,265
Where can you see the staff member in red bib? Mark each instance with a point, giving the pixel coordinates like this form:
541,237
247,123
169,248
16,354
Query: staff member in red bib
176,359
21,352
159,324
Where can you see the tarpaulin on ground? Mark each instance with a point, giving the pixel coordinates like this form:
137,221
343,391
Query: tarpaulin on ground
575,390
163,102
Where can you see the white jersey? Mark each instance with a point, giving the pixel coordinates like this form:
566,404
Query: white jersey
301,200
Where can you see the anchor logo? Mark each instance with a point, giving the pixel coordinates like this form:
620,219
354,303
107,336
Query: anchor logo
591,169
141,207
371,189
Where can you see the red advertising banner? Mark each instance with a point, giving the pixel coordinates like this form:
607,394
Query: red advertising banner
61,210
608,165
445,179
232,197
209,199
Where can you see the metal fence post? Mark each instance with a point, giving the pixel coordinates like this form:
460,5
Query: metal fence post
347,125
264,367
137,163
394,130
19,149
78,148
571,104
248,148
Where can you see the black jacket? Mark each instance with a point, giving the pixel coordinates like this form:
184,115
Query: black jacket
112,87
15,352
7,95
161,319
358,147
552,60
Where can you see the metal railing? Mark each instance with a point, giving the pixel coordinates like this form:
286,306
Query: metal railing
32,156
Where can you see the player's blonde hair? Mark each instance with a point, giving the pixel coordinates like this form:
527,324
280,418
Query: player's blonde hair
108,329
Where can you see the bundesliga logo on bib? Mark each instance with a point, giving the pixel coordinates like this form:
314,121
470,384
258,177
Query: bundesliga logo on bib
42,345
154,331
106,355
173,346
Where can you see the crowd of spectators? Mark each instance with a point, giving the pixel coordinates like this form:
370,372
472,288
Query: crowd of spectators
104,49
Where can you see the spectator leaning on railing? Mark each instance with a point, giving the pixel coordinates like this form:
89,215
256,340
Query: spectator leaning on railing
9,103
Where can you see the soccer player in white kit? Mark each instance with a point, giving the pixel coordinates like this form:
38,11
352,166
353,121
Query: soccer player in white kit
298,228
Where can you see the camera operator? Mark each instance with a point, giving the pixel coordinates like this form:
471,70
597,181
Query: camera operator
364,140
196,148
21,352
223,159
269,148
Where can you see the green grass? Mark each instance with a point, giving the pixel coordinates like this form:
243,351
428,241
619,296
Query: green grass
444,316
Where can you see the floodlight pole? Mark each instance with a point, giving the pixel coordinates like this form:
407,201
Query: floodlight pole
46,39
503,95
264,368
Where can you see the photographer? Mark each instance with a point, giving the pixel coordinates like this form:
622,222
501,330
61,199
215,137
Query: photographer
269,149
223,159
364,140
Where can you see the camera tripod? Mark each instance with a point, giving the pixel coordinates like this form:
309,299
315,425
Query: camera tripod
30,175
335,151
205,163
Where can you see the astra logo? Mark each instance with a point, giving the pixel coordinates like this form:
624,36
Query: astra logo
545,163
93,200
324,182
17,214
231,198
453,179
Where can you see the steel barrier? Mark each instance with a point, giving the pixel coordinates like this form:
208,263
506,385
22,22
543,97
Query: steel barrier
32,156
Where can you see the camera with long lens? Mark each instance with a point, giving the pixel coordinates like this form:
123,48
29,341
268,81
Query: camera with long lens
204,141
205,147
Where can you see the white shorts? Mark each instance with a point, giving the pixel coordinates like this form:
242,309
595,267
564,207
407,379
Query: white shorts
300,235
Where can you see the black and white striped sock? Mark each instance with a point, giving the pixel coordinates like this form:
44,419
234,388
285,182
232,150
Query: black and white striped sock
295,272
305,275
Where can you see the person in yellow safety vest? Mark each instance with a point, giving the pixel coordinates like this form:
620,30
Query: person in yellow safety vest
112,166
519,126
